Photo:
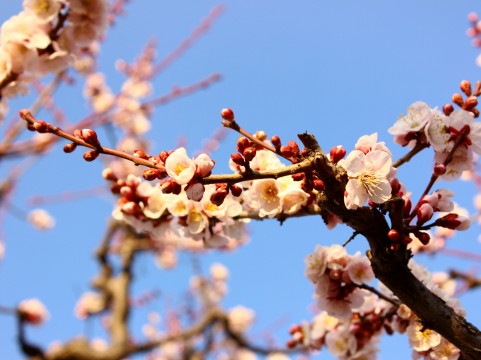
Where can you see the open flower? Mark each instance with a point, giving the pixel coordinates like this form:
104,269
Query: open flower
180,167
367,177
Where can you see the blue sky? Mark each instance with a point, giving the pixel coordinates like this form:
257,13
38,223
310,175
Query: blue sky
337,69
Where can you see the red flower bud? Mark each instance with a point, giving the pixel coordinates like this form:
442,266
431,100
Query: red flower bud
319,185
69,148
249,153
465,87
227,114
337,153
109,175
141,154
287,151
90,137
470,103
242,143
150,174
457,99
41,126
91,155
439,169
218,197
238,159
276,141
298,176
448,109
163,155
393,235
235,190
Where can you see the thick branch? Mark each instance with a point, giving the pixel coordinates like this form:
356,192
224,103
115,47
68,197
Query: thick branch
391,267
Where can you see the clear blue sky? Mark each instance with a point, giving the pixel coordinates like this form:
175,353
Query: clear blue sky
337,69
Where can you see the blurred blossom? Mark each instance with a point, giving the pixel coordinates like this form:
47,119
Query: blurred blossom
41,219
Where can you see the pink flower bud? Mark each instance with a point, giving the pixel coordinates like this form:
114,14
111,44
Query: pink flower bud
109,175
204,165
424,213
131,208
90,137
457,99
195,191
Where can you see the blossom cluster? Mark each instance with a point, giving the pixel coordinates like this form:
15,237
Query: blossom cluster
351,319
441,131
181,210
45,38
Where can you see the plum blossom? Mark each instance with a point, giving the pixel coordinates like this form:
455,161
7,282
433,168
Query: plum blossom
45,10
41,219
367,177
418,117
33,311
422,339
180,167
360,270
264,197
240,318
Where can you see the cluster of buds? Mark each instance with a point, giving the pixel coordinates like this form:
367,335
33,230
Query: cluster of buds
467,104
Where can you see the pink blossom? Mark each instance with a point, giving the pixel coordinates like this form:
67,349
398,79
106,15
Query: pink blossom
418,116
360,270
204,165
33,311
180,167
421,338
316,264
367,177
41,219
195,191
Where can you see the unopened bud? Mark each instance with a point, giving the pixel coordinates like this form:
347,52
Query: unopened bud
449,221
465,87
90,137
227,114
108,174
424,213
294,147
141,154
91,155
457,99
69,148
276,141
163,155
238,159
287,151
150,174
235,190
448,109
261,135
319,185
393,235
298,176
218,197
337,153
41,126
470,103
242,143
249,153
131,208
439,169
